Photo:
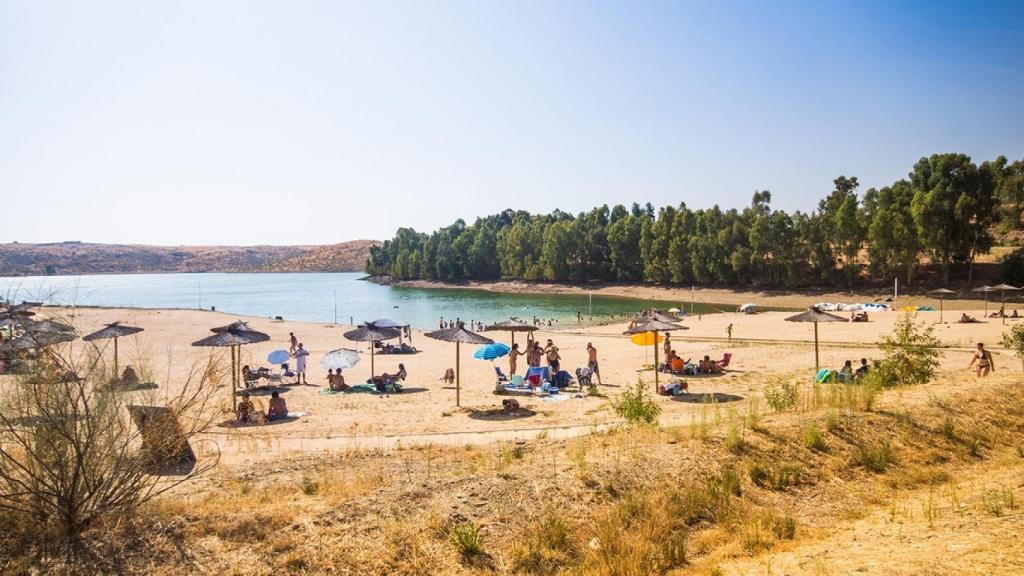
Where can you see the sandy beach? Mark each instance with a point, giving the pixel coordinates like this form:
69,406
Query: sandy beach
765,349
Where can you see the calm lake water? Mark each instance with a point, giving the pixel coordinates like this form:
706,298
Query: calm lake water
311,297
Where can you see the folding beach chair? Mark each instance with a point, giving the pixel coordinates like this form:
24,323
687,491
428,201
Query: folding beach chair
164,444
500,374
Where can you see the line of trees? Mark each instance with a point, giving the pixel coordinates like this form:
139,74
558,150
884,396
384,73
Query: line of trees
946,213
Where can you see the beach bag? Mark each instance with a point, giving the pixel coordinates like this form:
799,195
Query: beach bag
562,379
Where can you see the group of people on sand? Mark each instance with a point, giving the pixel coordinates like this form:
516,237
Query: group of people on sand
675,364
549,354
246,412
848,374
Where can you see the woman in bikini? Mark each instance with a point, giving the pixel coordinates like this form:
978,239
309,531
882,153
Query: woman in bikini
984,360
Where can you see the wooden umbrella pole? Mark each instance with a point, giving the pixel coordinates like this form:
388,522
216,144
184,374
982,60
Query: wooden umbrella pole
234,381
117,372
373,372
655,362
817,363
458,378
940,310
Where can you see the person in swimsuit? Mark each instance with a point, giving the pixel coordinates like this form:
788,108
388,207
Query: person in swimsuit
983,358
592,361
513,356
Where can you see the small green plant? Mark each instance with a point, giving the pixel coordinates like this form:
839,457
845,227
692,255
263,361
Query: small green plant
1015,341
593,391
832,420
876,458
716,571
636,406
949,429
777,478
468,539
996,501
812,438
734,440
782,397
784,527
911,353
309,486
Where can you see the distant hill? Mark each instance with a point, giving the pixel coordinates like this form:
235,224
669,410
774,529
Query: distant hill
66,258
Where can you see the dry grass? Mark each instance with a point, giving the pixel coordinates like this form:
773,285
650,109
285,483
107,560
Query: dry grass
636,501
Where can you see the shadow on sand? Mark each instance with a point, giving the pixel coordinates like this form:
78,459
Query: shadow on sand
706,397
501,415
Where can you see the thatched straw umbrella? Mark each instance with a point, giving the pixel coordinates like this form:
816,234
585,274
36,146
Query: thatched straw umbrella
1002,297
233,336
39,339
985,290
460,336
814,315
114,330
645,324
941,293
370,332
512,325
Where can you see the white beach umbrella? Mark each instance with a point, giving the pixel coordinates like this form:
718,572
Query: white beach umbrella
340,359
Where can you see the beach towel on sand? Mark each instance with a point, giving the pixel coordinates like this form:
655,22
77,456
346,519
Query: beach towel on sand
362,388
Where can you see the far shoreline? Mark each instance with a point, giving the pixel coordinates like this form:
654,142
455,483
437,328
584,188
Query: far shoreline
796,298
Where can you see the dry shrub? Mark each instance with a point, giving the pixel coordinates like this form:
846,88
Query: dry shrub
70,454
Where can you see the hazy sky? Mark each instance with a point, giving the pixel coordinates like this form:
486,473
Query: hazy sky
290,122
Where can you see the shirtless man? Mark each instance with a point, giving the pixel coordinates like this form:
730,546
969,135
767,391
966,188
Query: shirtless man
278,408
592,361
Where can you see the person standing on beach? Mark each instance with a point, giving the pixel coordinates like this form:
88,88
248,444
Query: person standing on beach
728,332
592,361
668,346
294,343
300,363
513,356
552,354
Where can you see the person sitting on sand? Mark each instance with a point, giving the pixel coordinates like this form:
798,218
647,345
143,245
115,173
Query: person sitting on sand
846,372
278,408
708,366
984,360
385,377
129,377
965,319
245,410
676,363
1014,315
449,376
337,382
862,370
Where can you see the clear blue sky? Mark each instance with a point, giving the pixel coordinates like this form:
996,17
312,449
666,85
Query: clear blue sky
301,121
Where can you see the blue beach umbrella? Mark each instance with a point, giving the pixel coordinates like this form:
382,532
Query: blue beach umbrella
491,351
278,357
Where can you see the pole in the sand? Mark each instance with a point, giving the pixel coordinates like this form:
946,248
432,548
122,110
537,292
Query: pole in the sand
335,307
691,299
